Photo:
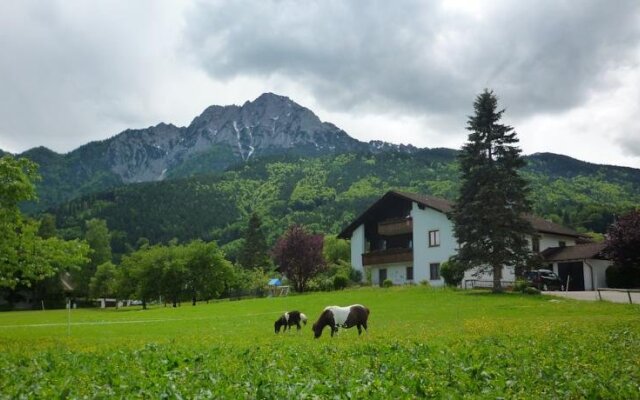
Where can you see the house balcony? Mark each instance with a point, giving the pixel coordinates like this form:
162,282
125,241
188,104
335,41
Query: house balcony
387,256
396,226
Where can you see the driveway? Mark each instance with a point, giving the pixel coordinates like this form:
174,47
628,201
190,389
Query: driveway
615,297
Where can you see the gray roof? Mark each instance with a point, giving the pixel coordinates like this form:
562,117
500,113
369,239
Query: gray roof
577,252
445,206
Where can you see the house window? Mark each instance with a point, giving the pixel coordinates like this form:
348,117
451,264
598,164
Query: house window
435,271
535,244
562,243
409,273
434,238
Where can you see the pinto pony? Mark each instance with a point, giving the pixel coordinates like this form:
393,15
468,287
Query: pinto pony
344,317
288,319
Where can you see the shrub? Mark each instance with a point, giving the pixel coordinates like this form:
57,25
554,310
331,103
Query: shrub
326,284
425,283
313,285
355,275
623,277
340,282
251,282
320,284
530,290
520,285
452,271
387,283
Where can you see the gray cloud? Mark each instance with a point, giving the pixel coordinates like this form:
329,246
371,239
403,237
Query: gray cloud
76,70
568,72
420,56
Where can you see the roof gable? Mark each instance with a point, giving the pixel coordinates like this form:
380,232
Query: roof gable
445,206
436,203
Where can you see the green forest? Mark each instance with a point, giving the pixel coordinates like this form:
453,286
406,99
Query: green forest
326,193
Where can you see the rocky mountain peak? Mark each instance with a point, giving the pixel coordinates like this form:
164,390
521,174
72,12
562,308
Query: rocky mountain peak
219,137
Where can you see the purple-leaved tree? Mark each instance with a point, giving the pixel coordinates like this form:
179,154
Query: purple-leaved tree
299,255
623,240
623,247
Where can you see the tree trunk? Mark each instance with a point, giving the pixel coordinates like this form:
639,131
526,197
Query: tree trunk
497,277
193,300
144,304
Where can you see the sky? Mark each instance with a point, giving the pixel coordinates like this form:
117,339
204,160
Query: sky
566,72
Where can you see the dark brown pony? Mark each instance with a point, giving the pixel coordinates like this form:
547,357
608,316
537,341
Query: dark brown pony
343,317
289,319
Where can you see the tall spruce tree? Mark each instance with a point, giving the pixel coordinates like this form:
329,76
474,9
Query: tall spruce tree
254,250
488,216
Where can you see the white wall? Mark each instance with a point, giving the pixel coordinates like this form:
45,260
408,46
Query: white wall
508,274
396,272
549,240
599,273
424,221
357,249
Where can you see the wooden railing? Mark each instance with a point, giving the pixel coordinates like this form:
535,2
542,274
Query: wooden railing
387,256
396,226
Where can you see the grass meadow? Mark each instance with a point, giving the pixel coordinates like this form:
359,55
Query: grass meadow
422,342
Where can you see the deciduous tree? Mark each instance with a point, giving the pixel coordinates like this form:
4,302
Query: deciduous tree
26,257
98,238
104,283
623,240
299,255
208,272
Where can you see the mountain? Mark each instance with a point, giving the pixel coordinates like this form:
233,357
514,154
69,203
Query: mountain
272,132
216,139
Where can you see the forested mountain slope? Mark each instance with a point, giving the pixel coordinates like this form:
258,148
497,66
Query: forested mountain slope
325,193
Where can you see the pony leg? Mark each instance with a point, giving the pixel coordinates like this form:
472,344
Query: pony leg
298,325
359,329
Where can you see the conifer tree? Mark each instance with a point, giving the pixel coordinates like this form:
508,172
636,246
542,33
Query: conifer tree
488,216
254,252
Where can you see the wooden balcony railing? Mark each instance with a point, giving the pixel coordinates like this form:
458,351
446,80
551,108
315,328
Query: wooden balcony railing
387,256
396,226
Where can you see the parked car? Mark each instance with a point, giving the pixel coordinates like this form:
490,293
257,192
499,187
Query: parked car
543,279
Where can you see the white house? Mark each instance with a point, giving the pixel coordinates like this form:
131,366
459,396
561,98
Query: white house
405,237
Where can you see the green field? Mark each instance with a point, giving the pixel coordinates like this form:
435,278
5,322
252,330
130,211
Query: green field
421,342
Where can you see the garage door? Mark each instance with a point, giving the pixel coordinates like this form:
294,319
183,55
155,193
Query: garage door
575,272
